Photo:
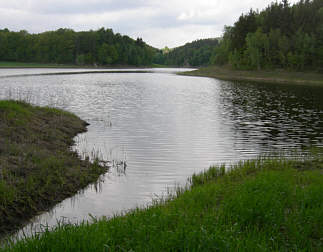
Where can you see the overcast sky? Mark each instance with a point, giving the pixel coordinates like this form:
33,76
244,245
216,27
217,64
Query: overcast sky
159,22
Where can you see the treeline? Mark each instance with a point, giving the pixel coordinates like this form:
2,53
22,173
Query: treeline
196,53
65,46
281,36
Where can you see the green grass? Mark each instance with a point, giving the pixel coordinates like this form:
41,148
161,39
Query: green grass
37,168
12,64
260,205
159,66
273,76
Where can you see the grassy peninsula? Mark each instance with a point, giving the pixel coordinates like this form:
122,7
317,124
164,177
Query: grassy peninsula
37,167
260,205
270,76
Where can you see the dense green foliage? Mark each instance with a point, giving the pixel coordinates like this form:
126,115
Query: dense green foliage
262,205
281,36
65,46
196,53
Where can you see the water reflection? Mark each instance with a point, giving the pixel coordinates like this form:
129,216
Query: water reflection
279,116
167,127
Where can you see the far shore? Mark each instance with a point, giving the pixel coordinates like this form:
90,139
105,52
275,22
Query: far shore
272,76
7,64
279,76
18,65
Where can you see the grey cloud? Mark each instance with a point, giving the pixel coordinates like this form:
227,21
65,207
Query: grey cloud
73,6
100,6
160,23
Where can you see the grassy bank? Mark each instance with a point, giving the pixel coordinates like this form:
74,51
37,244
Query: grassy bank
260,205
278,76
9,64
37,168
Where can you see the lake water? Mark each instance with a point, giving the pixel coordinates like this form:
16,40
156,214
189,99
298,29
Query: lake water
166,127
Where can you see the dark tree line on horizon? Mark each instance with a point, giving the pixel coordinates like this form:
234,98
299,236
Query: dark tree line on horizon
196,53
100,47
281,36
65,46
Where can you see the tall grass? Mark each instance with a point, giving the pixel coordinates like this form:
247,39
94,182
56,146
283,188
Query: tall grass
258,205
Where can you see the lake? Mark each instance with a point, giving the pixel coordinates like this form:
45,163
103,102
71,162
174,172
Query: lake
165,126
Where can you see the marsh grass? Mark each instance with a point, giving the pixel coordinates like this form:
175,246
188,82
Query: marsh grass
259,205
37,167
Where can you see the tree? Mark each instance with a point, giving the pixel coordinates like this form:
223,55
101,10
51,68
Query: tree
246,24
279,36
67,46
107,54
196,53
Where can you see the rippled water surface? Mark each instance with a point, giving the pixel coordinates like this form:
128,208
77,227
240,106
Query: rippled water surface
167,127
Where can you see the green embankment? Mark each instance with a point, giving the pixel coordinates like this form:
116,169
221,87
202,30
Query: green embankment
278,76
37,167
9,64
12,64
261,205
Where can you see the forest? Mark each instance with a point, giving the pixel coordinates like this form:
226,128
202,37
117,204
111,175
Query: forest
65,46
196,53
101,47
280,36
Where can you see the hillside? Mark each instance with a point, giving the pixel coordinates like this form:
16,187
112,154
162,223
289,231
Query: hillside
280,36
196,53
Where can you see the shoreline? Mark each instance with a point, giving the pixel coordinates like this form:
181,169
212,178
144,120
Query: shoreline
37,167
278,76
269,203
21,65
8,65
